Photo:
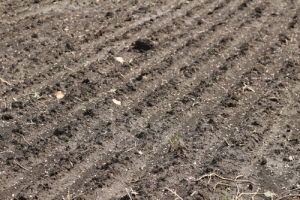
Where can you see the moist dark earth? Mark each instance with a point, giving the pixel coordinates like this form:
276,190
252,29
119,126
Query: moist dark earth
139,99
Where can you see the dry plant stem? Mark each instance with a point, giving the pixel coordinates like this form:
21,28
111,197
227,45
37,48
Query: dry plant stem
238,190
214,174
77,99
193,193
26,140
20,165
133,192
228,144
220,183
236,181
138,180
130,149
77,196
289,191
174,192
68,196
128,194
290,195
247,87
71,197
253,194
4,81
8,151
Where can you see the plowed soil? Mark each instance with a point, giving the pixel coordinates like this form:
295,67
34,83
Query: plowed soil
174,99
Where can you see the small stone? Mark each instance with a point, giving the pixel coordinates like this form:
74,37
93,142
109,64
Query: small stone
263,161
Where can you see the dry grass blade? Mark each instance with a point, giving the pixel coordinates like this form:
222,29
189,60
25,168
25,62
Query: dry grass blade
4,81
239,196
21,165
71,197
128,194
236,181
228,179
25,140
174,192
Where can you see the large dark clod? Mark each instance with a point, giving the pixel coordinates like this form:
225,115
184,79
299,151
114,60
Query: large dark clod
7,117
143,45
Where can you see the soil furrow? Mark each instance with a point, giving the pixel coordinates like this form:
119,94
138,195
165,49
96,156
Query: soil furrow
223,131
216,89
258,53
248,121
237,48
29,140
42,21
73,59
243,68
61,72
132,74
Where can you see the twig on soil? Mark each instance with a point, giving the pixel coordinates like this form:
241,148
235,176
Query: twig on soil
247,87
26,140
253,194
68,195
131,147
289,191
220,183
138,180
133,192
21,165
30,123
173,192
236,181
4,81
228,142
71,197
128,194
193,193
228,179
290,195
77,99
65,67
8,151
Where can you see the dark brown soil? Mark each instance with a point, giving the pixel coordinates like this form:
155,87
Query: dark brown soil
206,103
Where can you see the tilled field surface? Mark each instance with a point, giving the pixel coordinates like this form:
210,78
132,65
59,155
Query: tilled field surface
140,99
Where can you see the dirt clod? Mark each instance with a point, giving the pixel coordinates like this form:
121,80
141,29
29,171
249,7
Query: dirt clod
143,45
